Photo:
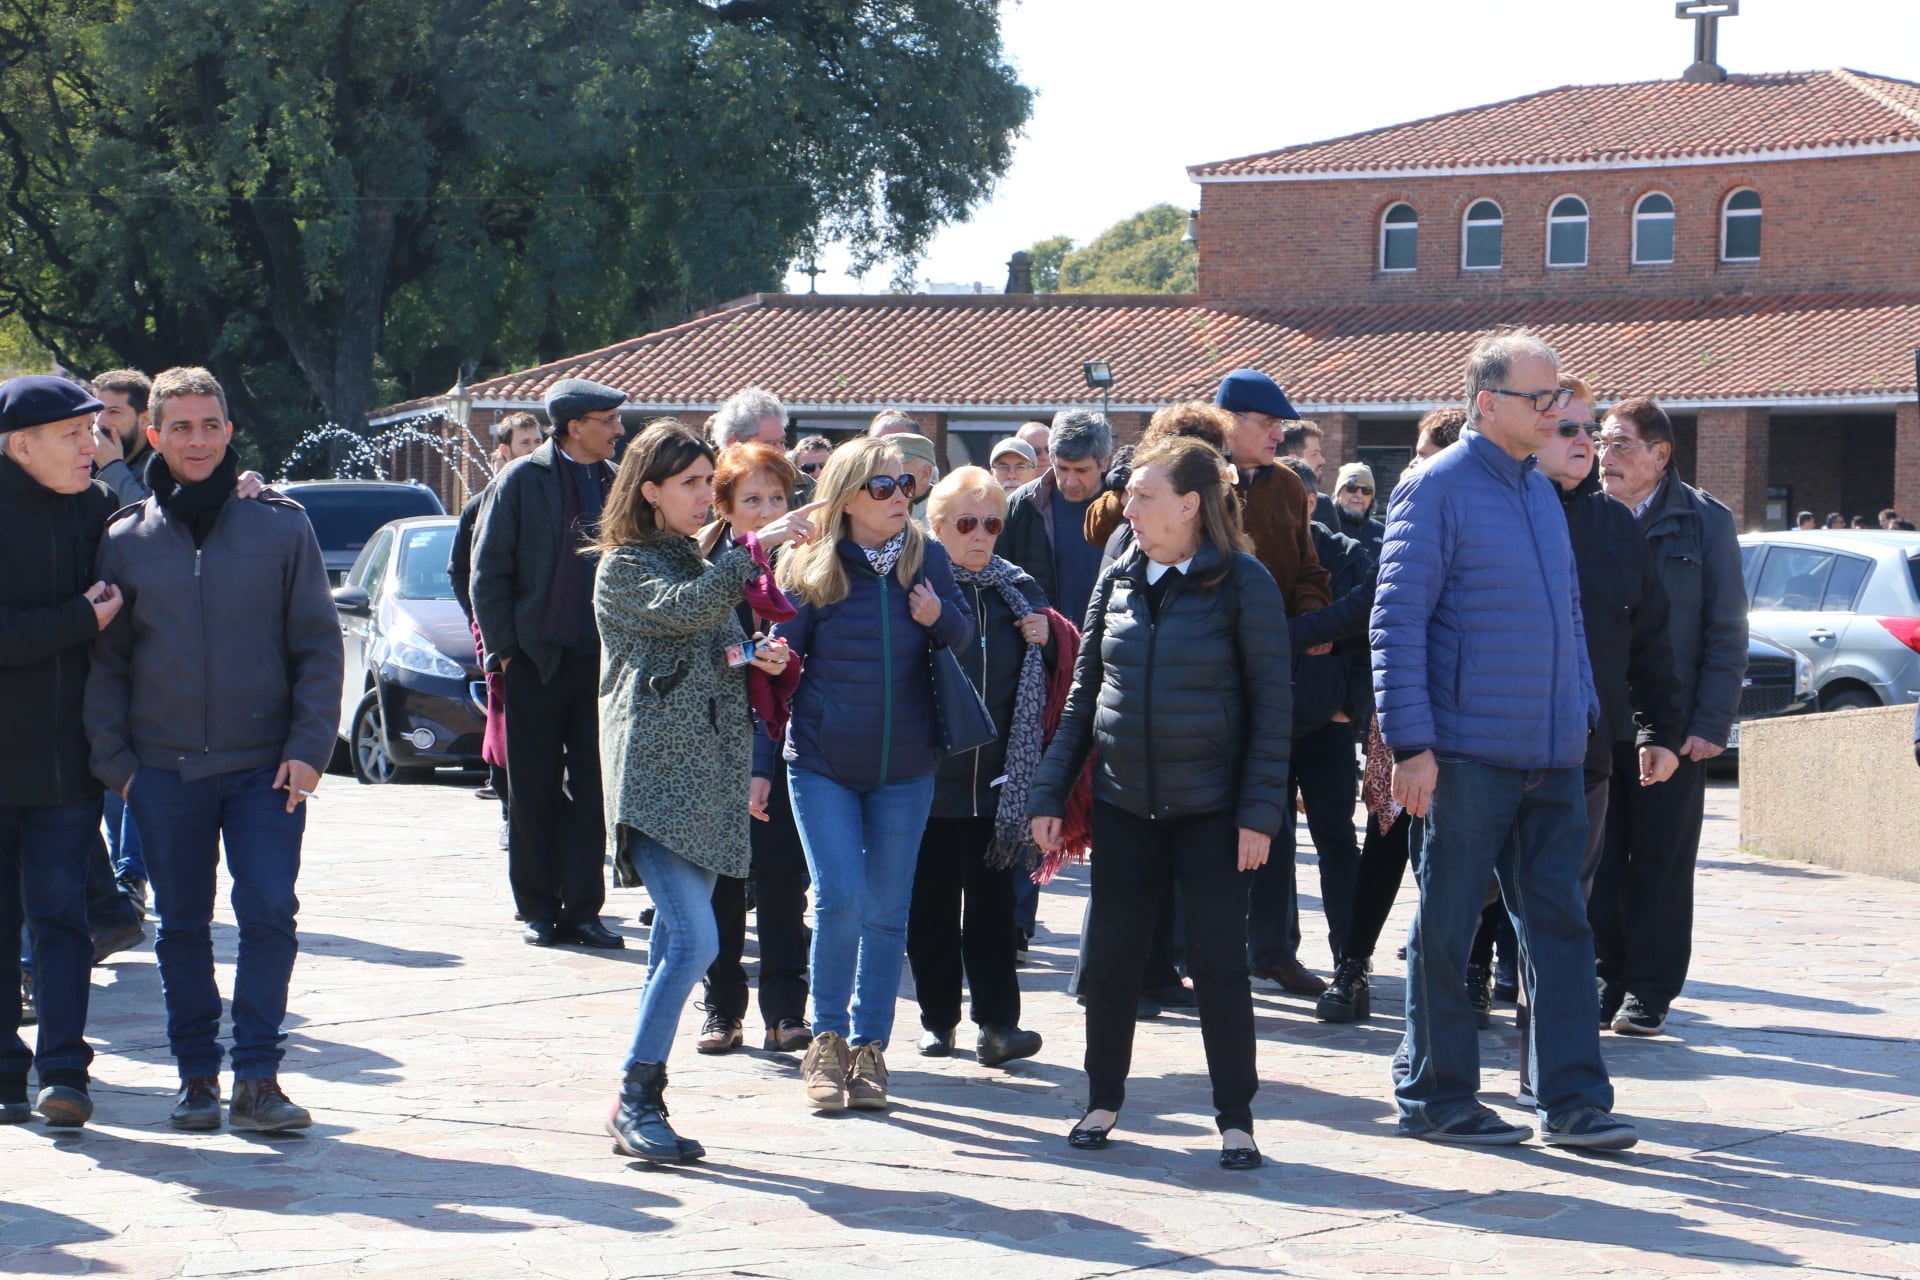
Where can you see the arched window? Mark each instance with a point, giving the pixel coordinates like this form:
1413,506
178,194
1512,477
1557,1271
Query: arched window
1480,239
1653,230
1740,227
1399,238
1567,232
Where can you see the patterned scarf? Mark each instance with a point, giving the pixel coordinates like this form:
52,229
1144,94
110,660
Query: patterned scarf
1012,836
887,554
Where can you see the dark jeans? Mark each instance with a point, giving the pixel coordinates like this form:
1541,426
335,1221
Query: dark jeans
184,824
556,830
1383,865
1642,904
962,918
123,841
1323,776
497,779
1528,828
43,884
1136,859
780,905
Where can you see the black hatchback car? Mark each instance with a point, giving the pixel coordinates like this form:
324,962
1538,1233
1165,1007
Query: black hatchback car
414,698
345,513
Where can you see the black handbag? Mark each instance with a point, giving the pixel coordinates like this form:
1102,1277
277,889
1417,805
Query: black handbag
961,720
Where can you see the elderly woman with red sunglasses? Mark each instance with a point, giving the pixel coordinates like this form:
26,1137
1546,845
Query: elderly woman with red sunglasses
976,840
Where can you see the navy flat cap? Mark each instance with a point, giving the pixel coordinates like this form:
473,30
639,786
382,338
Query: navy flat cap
1251,391
40,398
572,398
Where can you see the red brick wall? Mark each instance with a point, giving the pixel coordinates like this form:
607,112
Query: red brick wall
1731,463
1906,461
1834,224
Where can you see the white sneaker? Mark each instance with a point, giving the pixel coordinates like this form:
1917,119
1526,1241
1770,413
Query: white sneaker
505,842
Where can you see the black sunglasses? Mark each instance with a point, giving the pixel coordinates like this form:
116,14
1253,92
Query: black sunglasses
1356,488
880,488
967,524
1568,428
810,468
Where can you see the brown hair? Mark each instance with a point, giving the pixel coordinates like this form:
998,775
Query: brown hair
1648,418
1442,426
740,462
662,451
131,383
187,380
1296,434
503,430
1193,466
1191,419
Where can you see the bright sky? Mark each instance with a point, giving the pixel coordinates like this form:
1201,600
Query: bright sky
1130,92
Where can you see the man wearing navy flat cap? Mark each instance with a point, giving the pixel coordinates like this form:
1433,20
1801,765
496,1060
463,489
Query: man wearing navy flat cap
52,513
532,592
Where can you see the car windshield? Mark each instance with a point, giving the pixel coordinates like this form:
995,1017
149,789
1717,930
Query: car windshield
344,519
423,563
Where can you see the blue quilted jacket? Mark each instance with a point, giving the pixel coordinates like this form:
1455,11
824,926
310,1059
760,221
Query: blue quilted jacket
863,714
1478,647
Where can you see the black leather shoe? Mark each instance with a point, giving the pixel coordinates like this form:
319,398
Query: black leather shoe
639,1119
1177,996
591,933
936,1044
1003,1044
1240,1158
198,1105
1083,1139
540,933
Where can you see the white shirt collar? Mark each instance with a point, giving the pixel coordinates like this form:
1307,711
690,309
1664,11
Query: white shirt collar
1156,570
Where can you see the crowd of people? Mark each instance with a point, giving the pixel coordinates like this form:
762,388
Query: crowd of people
759,673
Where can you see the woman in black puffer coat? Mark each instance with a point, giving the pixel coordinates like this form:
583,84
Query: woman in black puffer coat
1184,686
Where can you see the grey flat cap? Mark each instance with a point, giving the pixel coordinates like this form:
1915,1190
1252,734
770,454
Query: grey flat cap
572,398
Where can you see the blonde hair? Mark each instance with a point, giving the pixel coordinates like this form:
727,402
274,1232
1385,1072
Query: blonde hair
814,572
967,482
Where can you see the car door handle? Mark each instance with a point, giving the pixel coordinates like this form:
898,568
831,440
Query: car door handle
1820,634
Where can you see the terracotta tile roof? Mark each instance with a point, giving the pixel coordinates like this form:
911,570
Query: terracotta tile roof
1021,354
1582,125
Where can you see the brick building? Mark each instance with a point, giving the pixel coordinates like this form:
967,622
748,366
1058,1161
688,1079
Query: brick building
1747,251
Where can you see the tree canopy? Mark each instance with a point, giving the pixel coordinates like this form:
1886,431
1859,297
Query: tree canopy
1146,253
335,203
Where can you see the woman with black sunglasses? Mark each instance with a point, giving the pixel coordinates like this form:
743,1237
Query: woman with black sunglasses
977,839
875,596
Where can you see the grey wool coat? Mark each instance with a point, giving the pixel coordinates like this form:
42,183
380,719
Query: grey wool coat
676,732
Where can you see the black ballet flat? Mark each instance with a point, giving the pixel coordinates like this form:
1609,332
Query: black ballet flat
1240,1158
1094,1139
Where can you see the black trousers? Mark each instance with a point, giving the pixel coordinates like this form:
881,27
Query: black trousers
556,830
962,920
1325,776
1642,904
1135,859
780,905
1383,865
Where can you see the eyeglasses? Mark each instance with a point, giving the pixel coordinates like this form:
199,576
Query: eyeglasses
1617,444
967,524
1568,428
1540,400
1357,488
880,488
810,468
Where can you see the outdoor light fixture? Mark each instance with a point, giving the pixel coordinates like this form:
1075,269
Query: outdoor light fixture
460,402
1099,374
1193,228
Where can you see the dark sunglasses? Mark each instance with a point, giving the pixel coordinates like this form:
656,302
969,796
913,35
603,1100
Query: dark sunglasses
967,524
1356,488
1569,428
880,488
810,468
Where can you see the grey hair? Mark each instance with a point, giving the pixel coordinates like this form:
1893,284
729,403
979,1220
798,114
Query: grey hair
807,444
1492,357
1078,434
739,418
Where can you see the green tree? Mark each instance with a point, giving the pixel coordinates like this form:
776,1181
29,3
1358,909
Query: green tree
1146,253
1047,255
333,203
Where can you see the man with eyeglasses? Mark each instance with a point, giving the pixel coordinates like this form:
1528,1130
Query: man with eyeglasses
1486,699
1642,907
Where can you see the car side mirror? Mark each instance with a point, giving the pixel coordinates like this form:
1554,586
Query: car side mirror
352,600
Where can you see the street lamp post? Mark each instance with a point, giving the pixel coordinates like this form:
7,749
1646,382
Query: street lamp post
1099,376
460,413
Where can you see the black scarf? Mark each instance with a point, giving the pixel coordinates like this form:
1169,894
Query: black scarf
197,504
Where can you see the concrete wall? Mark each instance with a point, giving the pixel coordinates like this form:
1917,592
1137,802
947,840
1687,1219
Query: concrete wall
1840,790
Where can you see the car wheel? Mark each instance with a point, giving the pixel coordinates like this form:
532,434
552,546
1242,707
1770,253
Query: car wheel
372,757
1848,700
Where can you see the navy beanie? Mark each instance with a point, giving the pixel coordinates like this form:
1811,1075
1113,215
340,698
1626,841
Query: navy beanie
40,398
1251,391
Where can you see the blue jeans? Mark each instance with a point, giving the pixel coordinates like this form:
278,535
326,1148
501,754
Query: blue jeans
43,884
862,849
123,841
683,942
1528,828
183,825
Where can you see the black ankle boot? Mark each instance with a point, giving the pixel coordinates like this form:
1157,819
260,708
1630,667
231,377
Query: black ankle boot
1350,997
639,1120
1480,994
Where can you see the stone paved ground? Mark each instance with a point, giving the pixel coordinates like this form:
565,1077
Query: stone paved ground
460,1080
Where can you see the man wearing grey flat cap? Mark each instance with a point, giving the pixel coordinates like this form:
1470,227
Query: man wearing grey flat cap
532,592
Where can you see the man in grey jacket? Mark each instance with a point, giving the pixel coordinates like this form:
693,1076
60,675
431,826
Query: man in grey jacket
1642,904
211,708
532,593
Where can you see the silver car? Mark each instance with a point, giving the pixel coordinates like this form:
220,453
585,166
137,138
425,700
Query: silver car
1849,600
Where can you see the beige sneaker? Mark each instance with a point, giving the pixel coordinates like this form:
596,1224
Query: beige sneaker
867,1082
824,1070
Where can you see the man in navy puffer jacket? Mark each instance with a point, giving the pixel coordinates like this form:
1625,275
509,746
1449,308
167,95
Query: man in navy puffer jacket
1486,699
